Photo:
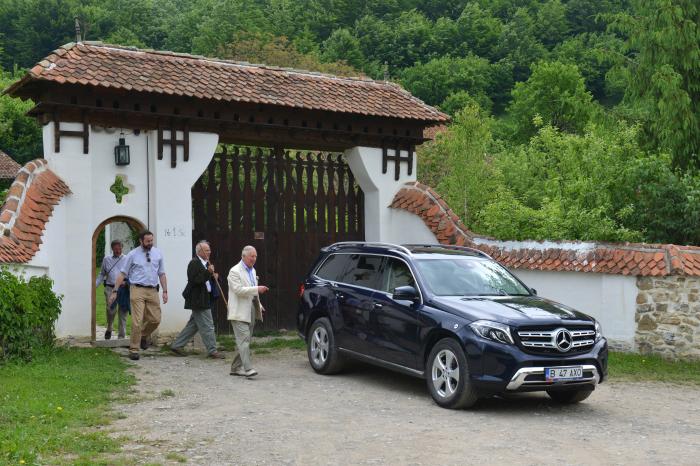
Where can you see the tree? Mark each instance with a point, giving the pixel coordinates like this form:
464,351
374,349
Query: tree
551,25
663,89
343,46
519,46
20,135
556,94
435,80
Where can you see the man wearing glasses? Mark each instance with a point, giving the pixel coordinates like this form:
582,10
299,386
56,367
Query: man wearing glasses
145,271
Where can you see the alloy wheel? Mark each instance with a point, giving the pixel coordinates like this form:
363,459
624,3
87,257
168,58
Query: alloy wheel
445,373
319,346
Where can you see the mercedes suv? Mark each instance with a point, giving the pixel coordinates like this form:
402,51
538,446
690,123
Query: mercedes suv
450,315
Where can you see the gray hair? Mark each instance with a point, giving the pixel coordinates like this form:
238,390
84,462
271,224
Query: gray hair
198,247
247,250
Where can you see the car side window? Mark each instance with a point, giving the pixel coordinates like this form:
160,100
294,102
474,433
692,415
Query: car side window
396,273
333,268
363,271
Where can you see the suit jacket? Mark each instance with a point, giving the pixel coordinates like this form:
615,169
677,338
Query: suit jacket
196,294
243,301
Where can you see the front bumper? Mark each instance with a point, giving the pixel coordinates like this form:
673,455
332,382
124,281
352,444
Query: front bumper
499,368
533,378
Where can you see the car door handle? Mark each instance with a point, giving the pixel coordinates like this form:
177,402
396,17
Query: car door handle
340,296
378,305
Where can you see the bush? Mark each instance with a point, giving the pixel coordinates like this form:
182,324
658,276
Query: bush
28,312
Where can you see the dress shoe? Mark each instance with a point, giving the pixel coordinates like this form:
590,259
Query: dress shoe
177,351
144,344
216,355
134,356
240,372
251,373
108,334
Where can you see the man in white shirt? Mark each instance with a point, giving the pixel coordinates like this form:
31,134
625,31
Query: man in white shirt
108,276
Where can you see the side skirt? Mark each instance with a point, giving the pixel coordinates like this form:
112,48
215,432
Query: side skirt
382,363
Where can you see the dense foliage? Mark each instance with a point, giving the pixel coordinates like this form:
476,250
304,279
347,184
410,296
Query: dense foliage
28,311
573,118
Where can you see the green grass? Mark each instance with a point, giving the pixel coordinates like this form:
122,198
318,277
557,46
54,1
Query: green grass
228,343
176,457
50,408
637,367
101,314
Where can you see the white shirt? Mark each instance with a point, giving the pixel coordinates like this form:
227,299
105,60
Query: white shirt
204,263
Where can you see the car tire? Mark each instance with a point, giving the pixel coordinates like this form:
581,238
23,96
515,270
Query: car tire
568,397
320,348
447,376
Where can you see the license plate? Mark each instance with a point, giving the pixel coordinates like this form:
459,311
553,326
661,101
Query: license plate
555,374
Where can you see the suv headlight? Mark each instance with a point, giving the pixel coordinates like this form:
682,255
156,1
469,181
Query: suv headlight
598,331
492,331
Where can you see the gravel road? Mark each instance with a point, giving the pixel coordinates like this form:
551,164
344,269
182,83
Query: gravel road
192,409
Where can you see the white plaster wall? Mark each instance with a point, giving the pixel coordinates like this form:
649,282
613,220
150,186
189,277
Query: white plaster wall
163,205
382,222
611,299
407,228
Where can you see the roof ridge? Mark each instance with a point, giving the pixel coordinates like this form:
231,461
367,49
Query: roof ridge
224,61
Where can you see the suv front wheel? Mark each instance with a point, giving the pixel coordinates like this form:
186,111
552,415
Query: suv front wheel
320,347
447,376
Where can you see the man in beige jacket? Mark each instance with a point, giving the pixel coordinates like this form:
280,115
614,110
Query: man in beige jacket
244,309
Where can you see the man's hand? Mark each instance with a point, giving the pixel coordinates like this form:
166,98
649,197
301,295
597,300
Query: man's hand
165,296
262,289
216,276
211,268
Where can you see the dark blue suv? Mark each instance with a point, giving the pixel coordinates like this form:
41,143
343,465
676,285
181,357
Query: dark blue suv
450,315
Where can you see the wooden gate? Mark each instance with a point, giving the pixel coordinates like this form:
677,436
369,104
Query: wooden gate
288,204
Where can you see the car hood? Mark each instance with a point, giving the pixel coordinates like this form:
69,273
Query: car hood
511,310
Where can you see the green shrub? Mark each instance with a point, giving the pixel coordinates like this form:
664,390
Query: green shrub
28,312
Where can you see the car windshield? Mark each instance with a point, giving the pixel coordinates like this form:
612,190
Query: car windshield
469,276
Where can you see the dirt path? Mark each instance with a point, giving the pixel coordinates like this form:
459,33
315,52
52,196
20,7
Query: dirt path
290,415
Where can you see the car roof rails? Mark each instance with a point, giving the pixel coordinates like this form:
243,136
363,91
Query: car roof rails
368,244
449,246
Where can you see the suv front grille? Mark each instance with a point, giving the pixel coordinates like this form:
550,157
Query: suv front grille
545,340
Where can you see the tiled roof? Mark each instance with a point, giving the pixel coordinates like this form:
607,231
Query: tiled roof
99,65
634,259
8,167
27,209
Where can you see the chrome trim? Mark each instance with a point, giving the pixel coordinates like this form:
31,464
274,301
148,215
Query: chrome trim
451,247
518,379
550,335
369,243
382,362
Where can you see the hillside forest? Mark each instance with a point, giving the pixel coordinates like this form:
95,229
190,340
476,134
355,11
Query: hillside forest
571,119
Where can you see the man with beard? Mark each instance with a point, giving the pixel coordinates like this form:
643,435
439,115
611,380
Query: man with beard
108,276
144,269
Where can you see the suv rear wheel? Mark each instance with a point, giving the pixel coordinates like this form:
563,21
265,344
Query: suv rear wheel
569,396
320,347
448,376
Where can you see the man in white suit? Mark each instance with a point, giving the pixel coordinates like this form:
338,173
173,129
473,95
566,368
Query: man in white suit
244,309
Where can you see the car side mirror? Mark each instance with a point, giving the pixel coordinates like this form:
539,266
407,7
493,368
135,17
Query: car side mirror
533,291
405,293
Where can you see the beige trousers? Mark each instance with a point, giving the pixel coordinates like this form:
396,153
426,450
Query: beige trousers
243,331
145,314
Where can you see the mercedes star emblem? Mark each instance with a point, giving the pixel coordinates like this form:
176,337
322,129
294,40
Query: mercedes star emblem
563,340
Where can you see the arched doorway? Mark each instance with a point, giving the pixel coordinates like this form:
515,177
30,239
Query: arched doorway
97,235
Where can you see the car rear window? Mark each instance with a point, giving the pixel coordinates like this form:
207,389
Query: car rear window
363,270
333,267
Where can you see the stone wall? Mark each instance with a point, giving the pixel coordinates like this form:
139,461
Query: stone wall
668,316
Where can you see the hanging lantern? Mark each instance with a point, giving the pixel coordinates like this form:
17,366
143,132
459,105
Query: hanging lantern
121,152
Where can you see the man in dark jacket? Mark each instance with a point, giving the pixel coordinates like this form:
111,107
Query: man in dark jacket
198,296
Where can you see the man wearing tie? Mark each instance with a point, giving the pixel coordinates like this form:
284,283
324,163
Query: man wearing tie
198,296
244,309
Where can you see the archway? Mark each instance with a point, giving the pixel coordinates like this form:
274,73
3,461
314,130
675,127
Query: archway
134,225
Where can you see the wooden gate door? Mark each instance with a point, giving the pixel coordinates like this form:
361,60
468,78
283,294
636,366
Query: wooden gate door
288,204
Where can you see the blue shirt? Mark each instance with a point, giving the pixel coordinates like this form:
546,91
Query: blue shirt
139,270
251,275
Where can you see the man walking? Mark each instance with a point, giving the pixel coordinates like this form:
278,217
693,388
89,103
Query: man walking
244,309
144,269
199,298
108,276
